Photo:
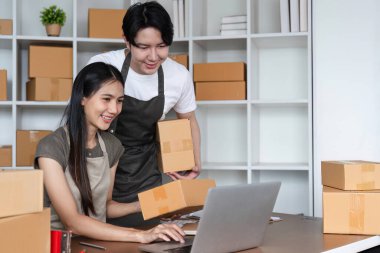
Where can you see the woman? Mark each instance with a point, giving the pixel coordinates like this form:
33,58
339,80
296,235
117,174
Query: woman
155,84
79,162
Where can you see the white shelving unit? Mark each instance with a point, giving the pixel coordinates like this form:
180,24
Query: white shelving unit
267,137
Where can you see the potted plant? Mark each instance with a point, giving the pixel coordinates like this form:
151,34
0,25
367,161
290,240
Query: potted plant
53,18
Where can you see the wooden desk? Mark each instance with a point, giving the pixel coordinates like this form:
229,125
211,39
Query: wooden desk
293,234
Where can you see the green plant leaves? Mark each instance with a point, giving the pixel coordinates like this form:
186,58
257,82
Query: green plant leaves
53,15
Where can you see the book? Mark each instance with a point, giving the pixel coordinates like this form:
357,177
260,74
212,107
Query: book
233,26
294,16
303,15
181,18
284,13
233,32
234,19
175,19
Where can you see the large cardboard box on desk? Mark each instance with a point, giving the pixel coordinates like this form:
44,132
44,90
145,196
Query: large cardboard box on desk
6,26
3,84
50,61
48,89
351,212
26,233
351,175
105,23
175,145
21,191
180,196
5,156
220,90
26,145
219,71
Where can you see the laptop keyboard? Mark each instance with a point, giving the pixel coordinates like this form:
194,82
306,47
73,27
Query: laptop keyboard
183,249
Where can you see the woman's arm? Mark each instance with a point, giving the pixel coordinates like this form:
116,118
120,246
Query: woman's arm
116,209
196,136
63,202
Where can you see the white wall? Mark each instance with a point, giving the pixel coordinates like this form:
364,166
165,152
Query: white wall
346,64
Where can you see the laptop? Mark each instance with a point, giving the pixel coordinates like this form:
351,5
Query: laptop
234,218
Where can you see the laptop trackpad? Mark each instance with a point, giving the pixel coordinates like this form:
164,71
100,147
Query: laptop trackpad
169,247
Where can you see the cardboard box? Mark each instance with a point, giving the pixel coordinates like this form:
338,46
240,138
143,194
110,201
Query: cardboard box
50,61
6,26
105,23
351,175
26,233
3,84
21,192
181,59
175,145
26,145
351,212
5,156
48,89
220,90
220,71
180,196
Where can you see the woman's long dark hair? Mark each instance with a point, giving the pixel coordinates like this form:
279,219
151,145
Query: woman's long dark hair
88,81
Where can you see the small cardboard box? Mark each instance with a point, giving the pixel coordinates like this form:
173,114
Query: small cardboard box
181,59
6,26
50,61
3,84
105,23
48,89
180,196
26,233
351,175
26,145
220,90
175,145
21,192
351,212
219,71
5,156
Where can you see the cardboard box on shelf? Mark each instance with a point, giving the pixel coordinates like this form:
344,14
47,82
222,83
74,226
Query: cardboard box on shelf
3,84
181,59
105,23
351,175
21,192
351,212
219,71
175,151
26,233
220,90
48,89
26,145
5,156
180,196
6,26
50,61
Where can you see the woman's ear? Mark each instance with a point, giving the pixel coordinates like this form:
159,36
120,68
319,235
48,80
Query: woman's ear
83,101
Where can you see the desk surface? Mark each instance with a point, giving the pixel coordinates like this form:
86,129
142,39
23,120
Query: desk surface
291,235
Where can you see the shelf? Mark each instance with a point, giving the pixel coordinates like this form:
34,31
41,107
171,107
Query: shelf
6,37
281,166
274,102
6,104
224,166
43,38
36,104
100,40
222,102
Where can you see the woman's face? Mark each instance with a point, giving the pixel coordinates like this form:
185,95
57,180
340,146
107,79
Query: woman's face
103,106
150,51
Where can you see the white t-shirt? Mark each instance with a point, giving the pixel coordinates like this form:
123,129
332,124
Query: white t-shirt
179,88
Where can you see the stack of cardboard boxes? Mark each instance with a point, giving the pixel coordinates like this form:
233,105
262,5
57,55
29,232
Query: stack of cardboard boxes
6,150
105,23
24,223
220,81
175,154
351,197
50,73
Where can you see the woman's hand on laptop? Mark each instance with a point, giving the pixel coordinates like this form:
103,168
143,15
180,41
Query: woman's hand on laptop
165,232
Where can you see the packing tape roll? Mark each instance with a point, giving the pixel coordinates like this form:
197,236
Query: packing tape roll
356,213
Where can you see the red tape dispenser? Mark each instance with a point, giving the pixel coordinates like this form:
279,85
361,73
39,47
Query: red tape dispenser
60,241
